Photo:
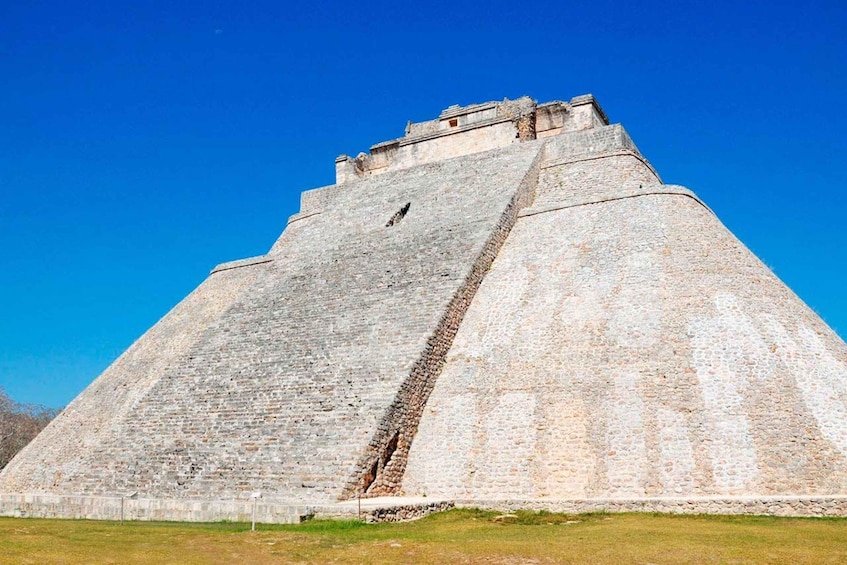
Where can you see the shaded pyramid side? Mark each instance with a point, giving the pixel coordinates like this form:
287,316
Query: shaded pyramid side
626,345
60,457
277,375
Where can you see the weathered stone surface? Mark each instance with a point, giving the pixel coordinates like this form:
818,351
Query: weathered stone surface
506,308
145,509
276,375
626,345
808,506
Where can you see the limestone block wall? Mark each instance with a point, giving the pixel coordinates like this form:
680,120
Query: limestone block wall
462,130
586,113
275,375
470,141
589,142
543,323
592,178
383,464
145,509
393,156
628,347
66,456
786,505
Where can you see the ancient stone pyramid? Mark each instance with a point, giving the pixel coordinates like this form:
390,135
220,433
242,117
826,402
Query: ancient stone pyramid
504,304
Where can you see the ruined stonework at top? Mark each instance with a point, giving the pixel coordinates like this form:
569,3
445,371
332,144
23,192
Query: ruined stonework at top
505,303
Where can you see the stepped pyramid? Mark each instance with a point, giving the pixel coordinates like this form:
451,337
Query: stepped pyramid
505,304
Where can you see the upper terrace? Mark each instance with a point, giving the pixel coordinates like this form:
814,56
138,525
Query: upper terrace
461,130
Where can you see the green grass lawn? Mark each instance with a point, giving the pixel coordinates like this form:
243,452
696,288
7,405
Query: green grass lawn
458,536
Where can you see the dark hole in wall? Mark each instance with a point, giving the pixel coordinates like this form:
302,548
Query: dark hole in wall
454,122
399,215
390,448
370,476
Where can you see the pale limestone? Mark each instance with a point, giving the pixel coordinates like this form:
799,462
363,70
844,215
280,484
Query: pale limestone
546,325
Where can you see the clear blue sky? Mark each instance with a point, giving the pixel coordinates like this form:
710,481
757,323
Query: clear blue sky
141,143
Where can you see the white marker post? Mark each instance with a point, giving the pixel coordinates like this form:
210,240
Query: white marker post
255,496
132,496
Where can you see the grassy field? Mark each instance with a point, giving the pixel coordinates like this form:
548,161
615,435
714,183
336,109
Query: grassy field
458,536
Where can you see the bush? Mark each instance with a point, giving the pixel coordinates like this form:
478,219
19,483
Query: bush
19,424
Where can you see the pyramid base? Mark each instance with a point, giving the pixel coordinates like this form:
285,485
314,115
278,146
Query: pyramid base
395,509
784,505
117,508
